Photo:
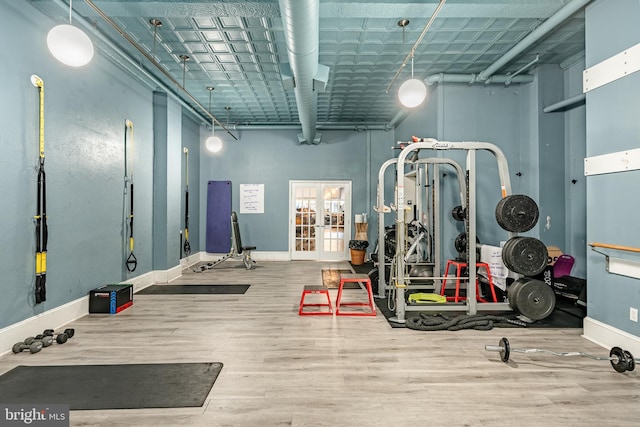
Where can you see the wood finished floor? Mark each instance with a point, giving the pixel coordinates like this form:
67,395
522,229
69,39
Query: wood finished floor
285,369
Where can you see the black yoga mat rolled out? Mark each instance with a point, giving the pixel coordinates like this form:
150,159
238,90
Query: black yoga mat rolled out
193,289
131,386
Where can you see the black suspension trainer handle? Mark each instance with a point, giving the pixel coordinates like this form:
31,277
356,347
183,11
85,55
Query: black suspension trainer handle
42,231
132,261
187,245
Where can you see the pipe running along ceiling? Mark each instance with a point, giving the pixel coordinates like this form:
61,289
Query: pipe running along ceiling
278,62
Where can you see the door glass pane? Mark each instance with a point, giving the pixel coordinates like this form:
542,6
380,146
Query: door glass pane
305,219
333,231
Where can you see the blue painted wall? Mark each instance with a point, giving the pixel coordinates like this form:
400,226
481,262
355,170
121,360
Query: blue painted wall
575,193
85,110
612,125
274,158
494,114
85,113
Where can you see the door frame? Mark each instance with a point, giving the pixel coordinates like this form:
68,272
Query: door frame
347,219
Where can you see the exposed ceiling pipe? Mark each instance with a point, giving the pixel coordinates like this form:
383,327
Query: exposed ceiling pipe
131,62
319,126
546,27
397,119
91,27
566,104
474,78
301,25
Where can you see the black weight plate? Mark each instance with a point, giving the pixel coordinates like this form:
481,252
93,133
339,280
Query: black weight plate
620,365
460,243
506,249
517,213
458,213
631,362
525,255
504,354
514,289
535,300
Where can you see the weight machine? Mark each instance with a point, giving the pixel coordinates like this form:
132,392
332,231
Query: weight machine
424,169
399,282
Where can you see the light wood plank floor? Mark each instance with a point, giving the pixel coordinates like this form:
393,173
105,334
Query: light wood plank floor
285,369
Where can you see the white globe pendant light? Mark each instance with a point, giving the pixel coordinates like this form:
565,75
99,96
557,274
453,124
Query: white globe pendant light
213,144
412,93
70,45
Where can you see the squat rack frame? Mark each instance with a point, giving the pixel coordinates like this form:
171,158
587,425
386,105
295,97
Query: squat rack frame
380,208
471,305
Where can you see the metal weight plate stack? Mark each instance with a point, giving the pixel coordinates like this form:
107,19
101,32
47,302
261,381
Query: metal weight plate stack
517,213
533,298
514,289
525,255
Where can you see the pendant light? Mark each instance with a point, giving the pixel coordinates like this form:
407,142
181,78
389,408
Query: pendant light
412,92
213,143
70,45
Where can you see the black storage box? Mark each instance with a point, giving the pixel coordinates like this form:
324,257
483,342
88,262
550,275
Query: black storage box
110,298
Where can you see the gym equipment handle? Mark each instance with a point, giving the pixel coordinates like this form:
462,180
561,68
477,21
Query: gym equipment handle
495,348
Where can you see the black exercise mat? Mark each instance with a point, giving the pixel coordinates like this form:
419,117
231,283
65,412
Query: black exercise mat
193,289
136,386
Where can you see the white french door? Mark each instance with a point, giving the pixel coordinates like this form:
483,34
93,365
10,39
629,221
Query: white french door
320,218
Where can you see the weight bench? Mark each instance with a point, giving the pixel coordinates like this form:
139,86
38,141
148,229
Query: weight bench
237,250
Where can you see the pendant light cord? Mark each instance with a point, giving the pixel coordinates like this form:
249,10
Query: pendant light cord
213,131
70,9
417,43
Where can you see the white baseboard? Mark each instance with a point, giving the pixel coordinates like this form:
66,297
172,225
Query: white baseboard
256,255
607,336
166,276
140,282
59,316
55,318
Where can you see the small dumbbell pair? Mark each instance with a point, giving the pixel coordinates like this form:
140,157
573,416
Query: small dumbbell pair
33,347
37,343
62,337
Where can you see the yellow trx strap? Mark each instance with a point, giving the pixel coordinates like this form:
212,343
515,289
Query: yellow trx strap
42,231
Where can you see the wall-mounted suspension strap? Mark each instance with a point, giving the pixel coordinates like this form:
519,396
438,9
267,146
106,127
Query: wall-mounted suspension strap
42,232
131,261
187,245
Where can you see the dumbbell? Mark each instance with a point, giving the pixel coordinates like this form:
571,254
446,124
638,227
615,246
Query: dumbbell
44,339
62,337
34,347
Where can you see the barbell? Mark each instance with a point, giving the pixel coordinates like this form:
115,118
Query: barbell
621,360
